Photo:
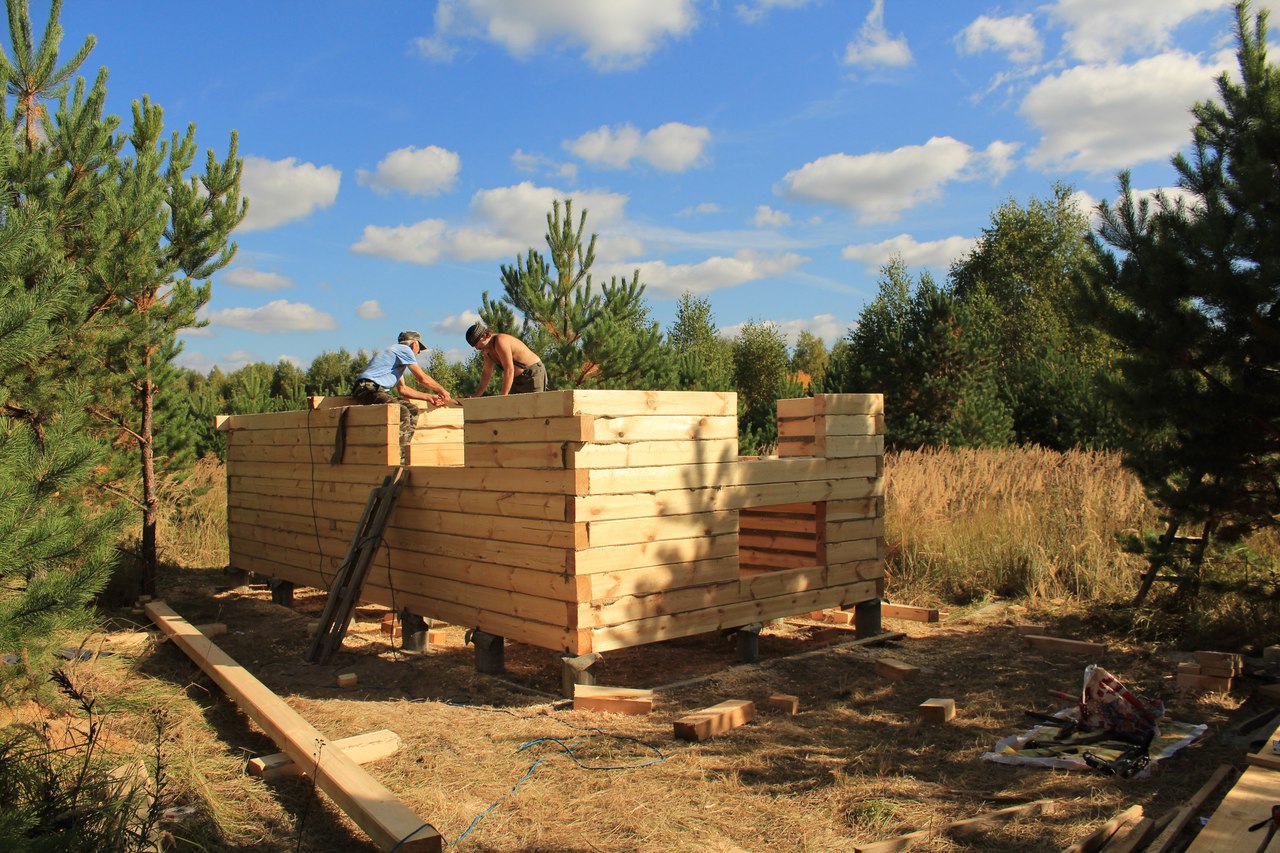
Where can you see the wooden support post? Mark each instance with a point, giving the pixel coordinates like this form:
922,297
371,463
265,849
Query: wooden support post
715,720
577,670
374,809
490,653
748,637
866,618
281,592
413,631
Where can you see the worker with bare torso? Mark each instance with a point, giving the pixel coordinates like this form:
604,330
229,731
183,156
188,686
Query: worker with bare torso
522,369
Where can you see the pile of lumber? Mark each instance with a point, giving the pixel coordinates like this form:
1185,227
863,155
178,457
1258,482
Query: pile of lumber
1211,671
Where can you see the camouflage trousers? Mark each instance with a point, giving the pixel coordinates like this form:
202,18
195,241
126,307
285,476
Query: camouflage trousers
366,392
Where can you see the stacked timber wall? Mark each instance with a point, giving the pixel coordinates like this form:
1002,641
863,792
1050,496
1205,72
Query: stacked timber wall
578,521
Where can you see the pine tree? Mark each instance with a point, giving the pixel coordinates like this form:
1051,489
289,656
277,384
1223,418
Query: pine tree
586,339
703,360
1192,294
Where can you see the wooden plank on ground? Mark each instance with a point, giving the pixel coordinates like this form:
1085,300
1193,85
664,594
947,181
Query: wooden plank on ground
715,720
907,611
1095,840
1061,644
366,801
1266,756
613,700
1227,824
361,749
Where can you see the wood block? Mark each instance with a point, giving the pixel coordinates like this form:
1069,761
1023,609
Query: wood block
1220,659
359,748
436,637
613,700
1219,671
1212,683
347,679
1035,630
896,670
212,629
937,710
786,703
715,720
1188,668
1061,644
907,611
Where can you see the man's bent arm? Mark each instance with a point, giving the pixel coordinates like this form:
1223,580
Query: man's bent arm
425,378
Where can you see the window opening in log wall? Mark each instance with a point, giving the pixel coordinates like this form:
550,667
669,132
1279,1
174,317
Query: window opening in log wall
777,538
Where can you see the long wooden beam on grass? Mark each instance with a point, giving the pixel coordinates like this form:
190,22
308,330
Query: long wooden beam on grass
386,820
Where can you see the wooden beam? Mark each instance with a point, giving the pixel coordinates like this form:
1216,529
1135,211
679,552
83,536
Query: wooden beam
366,801
718,719
960,828
1060,644
361,749
1095,840
613,700
907,611
1184,815
896,670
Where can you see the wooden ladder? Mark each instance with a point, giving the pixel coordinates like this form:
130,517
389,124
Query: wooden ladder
345,591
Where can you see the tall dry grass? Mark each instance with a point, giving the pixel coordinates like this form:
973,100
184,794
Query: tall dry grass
963,524
192,526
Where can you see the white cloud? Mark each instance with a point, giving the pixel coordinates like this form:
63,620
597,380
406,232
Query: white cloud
255,279
527,162
700,209
880,185
1016,37
281,191
370,309
766,217
291,359
824,326
615,35
456,324
934,253
711,274
277,316
673,147
757,9
1100,118
418,171
874,46
1103,32
501,223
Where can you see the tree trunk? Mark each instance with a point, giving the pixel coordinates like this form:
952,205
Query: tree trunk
1153,567
150,502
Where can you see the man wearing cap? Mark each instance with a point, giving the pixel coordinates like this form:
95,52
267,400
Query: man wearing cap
386,371
522,370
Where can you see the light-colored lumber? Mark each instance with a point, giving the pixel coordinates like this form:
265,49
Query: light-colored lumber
1035,630
347,679
212,629
1095,840
785,702
1210,683
633,531
361,748
680,501
615,557
831,404
609,481
716,720
665,428
1167,838
654,453
937,710
1061,644
908,611
550,455
1266,755
613,700
896,670
1132,837
366,801
571,428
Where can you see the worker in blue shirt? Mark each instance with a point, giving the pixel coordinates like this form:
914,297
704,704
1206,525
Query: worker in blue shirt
385,371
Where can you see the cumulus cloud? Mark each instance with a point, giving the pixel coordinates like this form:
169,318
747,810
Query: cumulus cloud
1096,118
824,326
527,162
370,309
255,279
281,191
456,324
874,46
933,253
500,223
711,274
277,316
1104,32
1015,37
766,217
700,209
418,171
616,35
756,10
673,147
880,185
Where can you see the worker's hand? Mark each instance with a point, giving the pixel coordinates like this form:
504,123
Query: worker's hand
436,400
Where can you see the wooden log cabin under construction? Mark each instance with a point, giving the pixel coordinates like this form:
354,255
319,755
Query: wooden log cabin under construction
576,521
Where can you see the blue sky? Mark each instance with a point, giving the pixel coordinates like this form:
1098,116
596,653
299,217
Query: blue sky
768,155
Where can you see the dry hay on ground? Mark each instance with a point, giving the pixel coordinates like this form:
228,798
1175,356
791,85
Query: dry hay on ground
852,767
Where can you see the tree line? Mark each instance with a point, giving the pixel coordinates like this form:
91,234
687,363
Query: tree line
1156,332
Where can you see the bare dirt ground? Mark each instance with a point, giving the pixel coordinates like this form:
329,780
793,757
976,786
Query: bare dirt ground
500,764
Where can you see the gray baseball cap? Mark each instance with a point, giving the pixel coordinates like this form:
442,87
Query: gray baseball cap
407,336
